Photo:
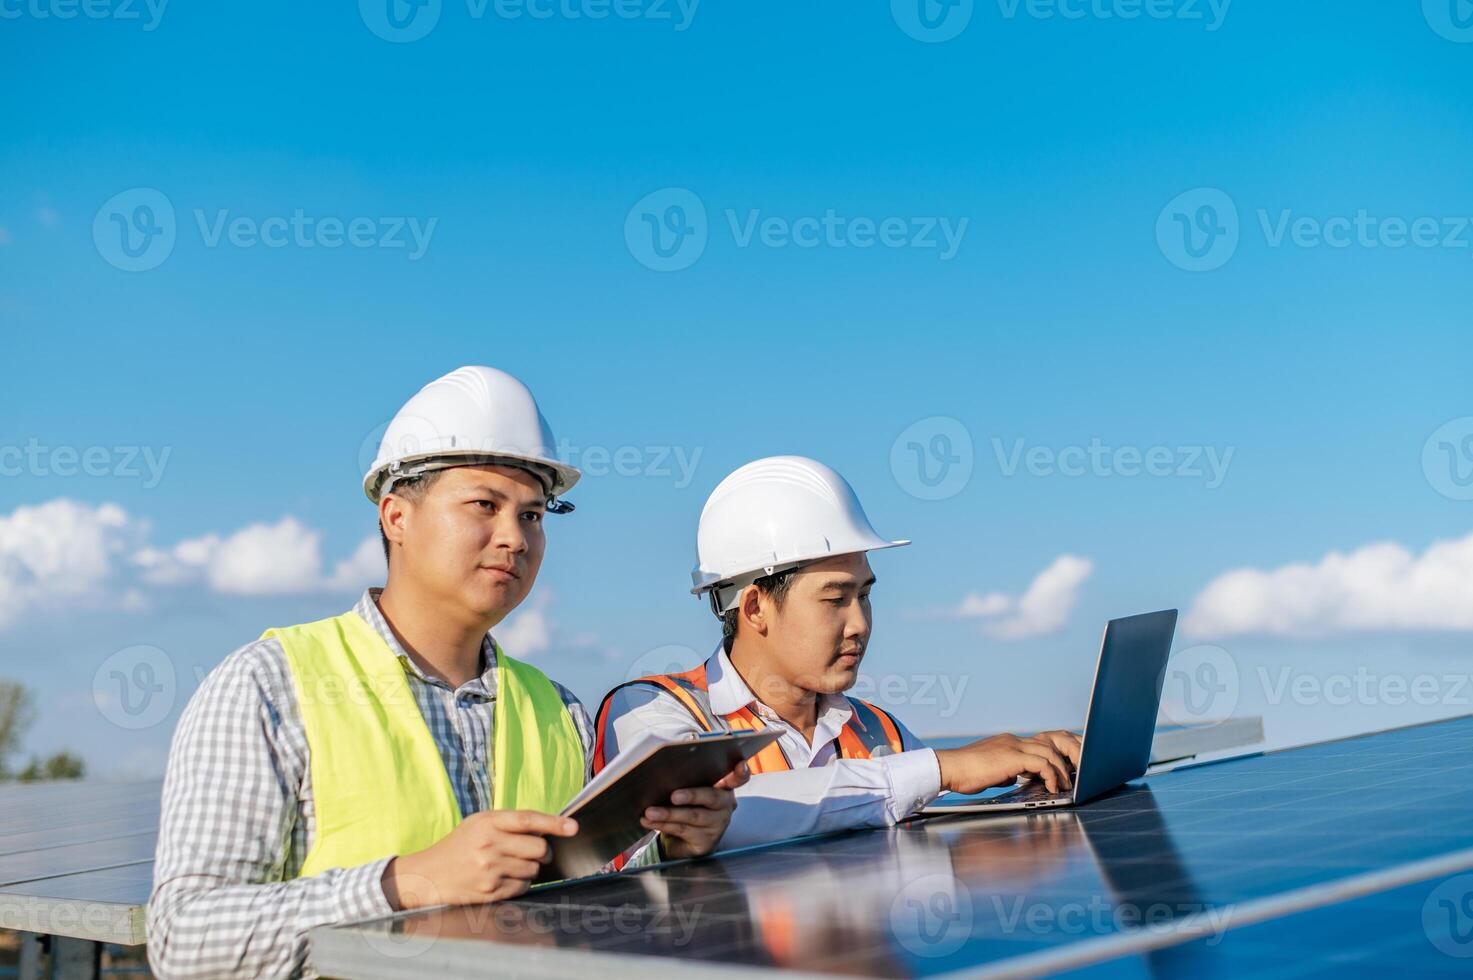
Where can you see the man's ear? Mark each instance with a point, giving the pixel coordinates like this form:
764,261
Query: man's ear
393,513
752,610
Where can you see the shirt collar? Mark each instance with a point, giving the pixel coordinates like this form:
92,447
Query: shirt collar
367,608
728,693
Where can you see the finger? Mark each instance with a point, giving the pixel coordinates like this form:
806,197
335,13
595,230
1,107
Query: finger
1056,765
708,797
688,816
508,888
737,777
1037,765
528,847
517,868
532,822
1067,743
1061,741
1040,765
1053,755
696,841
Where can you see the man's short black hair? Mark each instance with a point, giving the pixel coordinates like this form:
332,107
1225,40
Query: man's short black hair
413,489
775,585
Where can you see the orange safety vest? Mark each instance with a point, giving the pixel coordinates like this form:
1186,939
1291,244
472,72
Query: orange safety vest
865,734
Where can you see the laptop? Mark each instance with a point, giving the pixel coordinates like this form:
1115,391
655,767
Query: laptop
1118,727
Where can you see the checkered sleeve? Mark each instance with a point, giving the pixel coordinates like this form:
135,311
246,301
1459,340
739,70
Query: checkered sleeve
231,803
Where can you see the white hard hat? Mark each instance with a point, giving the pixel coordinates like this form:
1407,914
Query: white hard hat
473,414
774,514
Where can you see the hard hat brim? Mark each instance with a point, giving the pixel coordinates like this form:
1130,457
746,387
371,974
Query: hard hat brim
564,477
710,581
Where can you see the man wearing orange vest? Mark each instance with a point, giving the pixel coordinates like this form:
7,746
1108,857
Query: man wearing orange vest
781,552
394,756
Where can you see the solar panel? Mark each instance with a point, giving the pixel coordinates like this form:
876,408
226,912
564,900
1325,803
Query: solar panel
76,859
73,858
1425,929
37,815
1170,858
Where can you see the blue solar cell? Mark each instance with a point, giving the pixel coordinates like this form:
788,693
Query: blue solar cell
1424,929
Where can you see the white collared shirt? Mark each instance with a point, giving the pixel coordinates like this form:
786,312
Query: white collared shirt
821,793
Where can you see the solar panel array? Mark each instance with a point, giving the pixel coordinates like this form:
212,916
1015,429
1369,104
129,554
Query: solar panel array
1207,864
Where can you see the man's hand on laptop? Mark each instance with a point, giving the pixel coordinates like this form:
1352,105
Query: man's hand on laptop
1050,757
697,817
489,856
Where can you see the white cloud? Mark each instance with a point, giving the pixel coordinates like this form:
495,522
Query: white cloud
65,552
1381,586
991,604
364,567
1044,606
60,551
175,566
527,632
262,559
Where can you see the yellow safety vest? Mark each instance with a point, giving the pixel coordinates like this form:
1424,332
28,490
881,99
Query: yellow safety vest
378,783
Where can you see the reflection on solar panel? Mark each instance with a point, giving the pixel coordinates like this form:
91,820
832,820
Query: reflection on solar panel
1155,873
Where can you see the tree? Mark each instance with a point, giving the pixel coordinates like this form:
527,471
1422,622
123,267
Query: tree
17,714
62,765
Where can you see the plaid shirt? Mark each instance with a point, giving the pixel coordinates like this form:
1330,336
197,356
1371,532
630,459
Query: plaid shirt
238,818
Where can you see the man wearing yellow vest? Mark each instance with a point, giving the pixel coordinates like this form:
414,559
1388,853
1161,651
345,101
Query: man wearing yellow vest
781,552
394,756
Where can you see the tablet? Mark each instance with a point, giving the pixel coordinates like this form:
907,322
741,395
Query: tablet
610,807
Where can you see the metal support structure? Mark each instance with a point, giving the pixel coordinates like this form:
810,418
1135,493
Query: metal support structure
32,947
75,959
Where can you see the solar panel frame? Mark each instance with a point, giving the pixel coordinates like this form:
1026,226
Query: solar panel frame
104,906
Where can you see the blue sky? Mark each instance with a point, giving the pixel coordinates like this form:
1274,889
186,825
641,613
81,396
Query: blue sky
1063,153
